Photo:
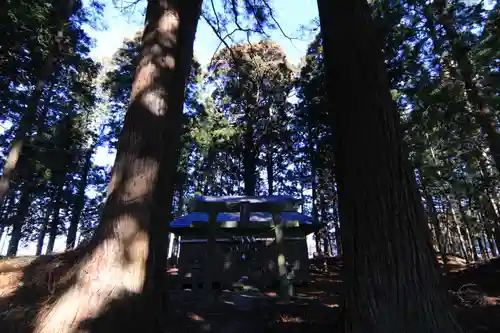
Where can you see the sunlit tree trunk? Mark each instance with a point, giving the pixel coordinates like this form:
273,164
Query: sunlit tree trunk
117,273
392,281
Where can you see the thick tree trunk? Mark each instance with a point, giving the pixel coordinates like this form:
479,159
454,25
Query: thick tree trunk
114,284
29,116
390,268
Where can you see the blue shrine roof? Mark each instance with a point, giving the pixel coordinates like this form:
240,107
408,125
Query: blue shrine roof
250,199
255,217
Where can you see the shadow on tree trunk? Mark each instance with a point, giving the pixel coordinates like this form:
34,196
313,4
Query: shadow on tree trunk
95,279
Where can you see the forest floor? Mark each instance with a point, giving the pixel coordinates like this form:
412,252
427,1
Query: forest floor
475,291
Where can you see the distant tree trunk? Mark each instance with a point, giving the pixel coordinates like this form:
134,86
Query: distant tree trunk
249,160
482,247
208,172
465,219
317,242
435,221
459,237
56,221
7,206
491,216
118,273
314,191
64,8
18,220
326,245
270,169
79,200
389,289
180,201
335,219
491,240
43,230
338,241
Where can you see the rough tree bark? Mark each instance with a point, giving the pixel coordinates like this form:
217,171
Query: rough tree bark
390,270
111,285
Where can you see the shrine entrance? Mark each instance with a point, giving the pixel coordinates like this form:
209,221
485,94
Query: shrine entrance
257,240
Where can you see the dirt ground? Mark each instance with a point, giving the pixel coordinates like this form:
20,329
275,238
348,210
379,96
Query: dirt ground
475,290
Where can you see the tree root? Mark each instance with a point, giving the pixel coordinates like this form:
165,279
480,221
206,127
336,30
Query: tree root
27,285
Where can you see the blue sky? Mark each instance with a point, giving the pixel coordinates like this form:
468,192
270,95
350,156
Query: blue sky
290,15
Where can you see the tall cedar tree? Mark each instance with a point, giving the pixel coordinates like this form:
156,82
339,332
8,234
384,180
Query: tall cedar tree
391,274
114,279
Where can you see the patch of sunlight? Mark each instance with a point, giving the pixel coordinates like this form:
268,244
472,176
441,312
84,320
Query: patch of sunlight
331,305
195,317
290,319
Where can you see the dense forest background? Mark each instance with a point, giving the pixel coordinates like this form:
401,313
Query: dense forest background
253,123
387,128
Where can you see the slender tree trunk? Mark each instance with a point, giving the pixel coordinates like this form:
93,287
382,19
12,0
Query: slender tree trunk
29,116
435,221
465,219
249,160
80,201
314,189
459,240
491,241
482,247
270,169
56,218
491,216
43,230
7,206
209,172
117,275
389,288
18,220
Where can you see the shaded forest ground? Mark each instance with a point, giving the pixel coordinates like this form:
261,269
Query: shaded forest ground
475,290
